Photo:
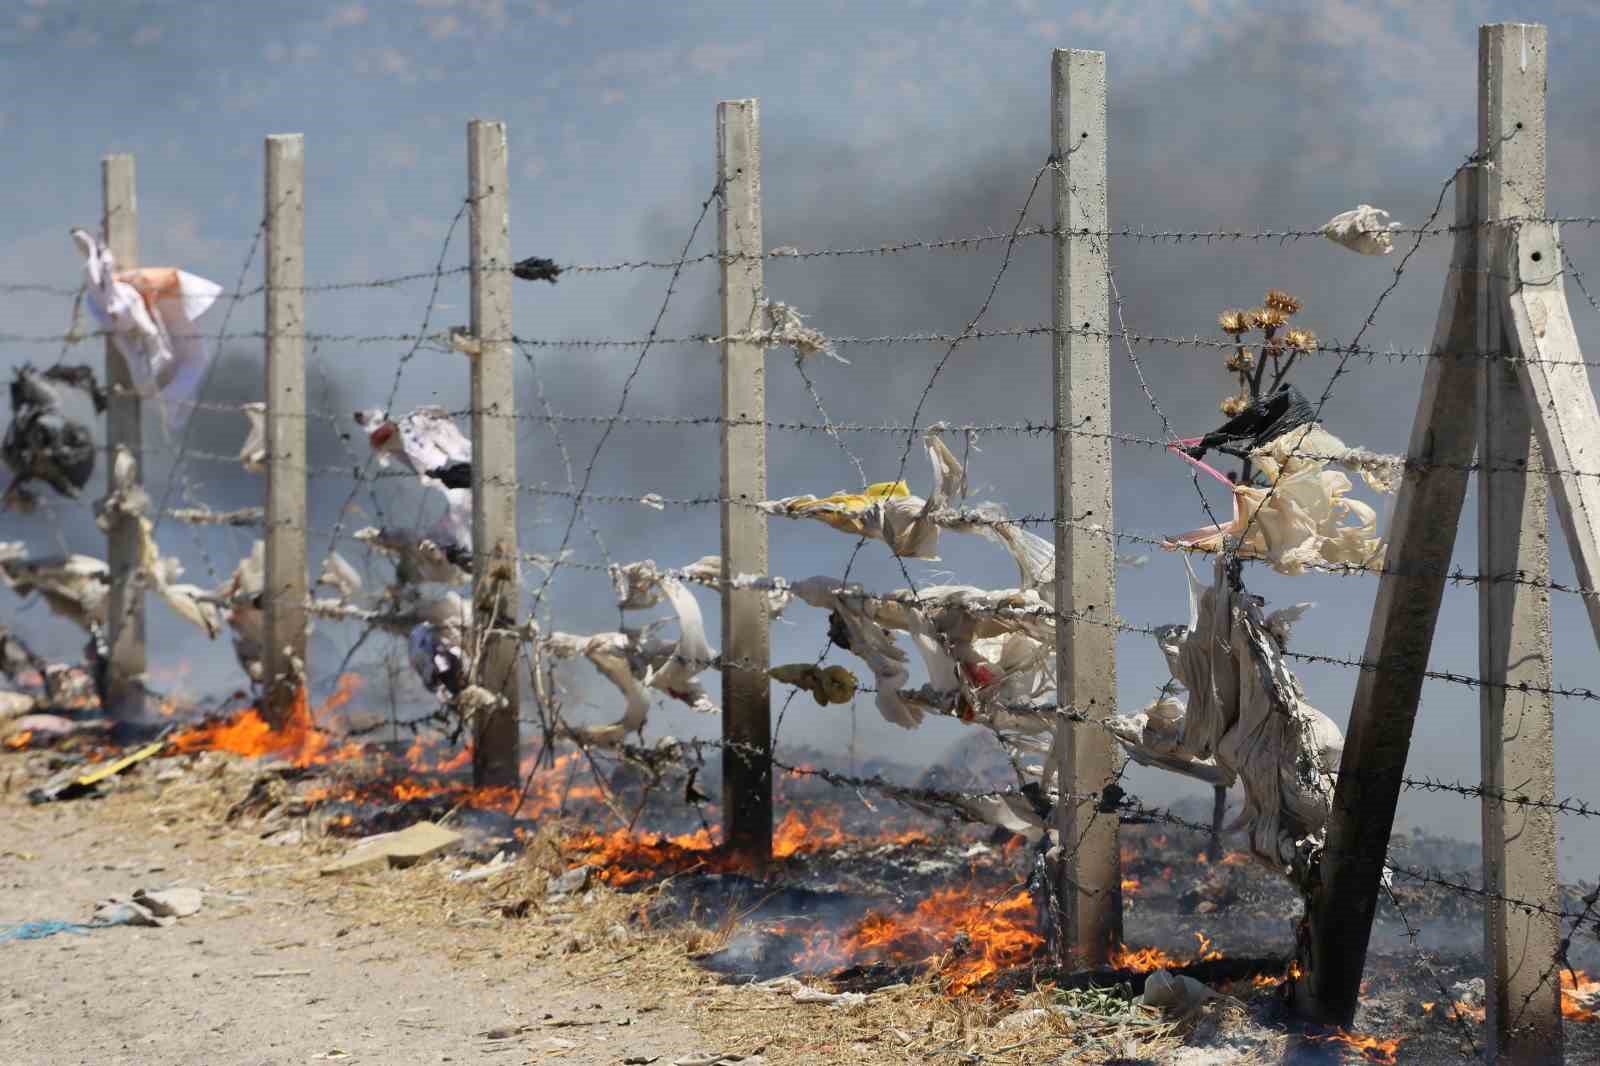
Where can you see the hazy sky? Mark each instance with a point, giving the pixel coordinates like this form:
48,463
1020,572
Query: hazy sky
881,122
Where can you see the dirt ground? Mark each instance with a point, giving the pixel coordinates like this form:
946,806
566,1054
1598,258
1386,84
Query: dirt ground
284,966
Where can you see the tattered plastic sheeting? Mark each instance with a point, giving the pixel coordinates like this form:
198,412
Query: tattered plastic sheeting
427,441
151,315
637,662
786,328
1248,713
253,453
1365,229
988,657
244,611
831,684
887,511
1152,736
339,575
41,442
1309,448
436,656
1305,518
128,502
707,570
868,641
432,557
74,587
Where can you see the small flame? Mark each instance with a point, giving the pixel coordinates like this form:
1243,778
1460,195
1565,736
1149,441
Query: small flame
1578,992
1130,886
1371,1048
1143,960
1262,980
18,741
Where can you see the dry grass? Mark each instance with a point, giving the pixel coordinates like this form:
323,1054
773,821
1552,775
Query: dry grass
607,940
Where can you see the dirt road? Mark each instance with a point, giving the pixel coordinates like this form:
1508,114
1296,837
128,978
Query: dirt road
282,966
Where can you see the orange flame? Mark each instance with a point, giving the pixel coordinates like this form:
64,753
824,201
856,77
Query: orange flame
1142,960
1130,886
1578,990
967,940
298,739
1207,952
18,741
1262,980
1145,960
626,857
1371,1048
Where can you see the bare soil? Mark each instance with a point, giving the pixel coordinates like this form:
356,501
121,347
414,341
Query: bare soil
284,966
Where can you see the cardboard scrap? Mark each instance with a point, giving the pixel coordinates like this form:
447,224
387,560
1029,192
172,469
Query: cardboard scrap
411,845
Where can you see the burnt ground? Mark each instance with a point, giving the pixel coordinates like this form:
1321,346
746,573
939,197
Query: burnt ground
283,965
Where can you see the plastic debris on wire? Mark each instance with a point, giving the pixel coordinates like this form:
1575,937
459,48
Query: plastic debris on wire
786,328
151,315
339,575
636,661
707,570
1247,711
253,454
74,587
426,441
1365,229
128,502
437,657
831,684
429,443
42,443
1303,515
244,611
887,511
535,268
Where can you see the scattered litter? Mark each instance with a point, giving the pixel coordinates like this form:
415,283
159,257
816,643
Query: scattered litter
38,930
719,1058
1365,229
45,725
15,705
281,973
73,784
498,864
1173,993
408,846
573,881
801,992
169,902
1023,1019
119,910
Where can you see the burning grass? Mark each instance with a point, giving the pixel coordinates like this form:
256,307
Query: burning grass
299,739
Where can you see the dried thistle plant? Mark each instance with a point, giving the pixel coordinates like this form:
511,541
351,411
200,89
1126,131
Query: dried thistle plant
1261,367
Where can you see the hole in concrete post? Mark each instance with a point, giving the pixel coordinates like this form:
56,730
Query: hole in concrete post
1537,256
